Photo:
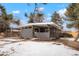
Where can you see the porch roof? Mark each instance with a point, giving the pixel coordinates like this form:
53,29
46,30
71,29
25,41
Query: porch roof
41,24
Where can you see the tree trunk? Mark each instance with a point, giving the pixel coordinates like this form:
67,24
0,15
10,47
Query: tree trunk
77,37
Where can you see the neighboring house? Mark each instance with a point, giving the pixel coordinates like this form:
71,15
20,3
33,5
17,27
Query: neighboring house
42,31
13,32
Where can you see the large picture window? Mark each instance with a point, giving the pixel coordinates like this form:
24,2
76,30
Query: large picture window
41,29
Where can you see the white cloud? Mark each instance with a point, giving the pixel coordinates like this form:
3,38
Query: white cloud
47,19
49,14
23,22
40,9
62,12
16,12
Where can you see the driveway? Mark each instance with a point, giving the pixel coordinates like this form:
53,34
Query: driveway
35,48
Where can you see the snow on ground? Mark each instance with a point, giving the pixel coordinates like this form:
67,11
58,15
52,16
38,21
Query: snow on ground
36,48
70,39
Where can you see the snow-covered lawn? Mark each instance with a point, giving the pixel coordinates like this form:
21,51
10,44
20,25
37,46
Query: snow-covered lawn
35,48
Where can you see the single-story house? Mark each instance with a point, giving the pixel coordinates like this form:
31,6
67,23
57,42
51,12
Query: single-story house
42,31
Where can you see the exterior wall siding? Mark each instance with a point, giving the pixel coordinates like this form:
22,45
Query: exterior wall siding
26,33
42,36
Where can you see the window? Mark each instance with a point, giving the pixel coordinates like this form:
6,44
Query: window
42,29
36,29
26,27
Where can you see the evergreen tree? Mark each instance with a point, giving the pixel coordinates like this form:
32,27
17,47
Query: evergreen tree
36,16
6,18
72,15
56,19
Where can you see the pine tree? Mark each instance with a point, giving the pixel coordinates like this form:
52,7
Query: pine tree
72,15
56,19
36,16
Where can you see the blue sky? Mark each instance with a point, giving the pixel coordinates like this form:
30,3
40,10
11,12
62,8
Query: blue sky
18,9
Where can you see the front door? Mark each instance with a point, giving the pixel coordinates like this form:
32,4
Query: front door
52,32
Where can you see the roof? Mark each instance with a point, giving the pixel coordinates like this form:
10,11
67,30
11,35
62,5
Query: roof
41,24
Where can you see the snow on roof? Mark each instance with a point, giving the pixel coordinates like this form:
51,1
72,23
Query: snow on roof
41,24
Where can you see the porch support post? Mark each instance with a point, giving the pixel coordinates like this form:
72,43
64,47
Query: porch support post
49,30
33,31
